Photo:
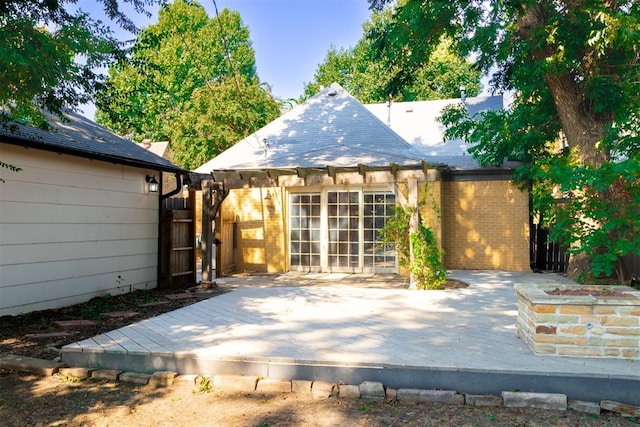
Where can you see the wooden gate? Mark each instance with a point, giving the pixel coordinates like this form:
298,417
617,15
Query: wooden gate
547,256
177,243
227,249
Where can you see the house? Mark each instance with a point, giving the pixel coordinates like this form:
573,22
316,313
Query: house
78,220
310,191
471,240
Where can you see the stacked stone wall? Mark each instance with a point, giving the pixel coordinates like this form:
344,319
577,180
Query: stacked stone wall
583,326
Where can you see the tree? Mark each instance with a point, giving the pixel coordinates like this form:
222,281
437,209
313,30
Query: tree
218,116
574,68
182,69
50,55
366,76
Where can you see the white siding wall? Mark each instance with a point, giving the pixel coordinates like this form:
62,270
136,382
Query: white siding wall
72,229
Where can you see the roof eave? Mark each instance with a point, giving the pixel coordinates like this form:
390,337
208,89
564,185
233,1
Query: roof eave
24,142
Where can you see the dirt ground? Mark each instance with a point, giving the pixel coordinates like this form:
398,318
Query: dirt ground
16,331
28,400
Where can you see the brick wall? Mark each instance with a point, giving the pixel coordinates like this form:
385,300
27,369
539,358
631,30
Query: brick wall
485,225
430,197
260,225
582,326
480,225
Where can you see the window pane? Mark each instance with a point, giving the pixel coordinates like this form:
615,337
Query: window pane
355,249
300,234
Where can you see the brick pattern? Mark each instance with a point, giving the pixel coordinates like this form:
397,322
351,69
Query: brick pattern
479,224
580,326
485,225
261,239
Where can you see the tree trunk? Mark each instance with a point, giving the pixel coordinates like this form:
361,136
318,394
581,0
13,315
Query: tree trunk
578,125
582,128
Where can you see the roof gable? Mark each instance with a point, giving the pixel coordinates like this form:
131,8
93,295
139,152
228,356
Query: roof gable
159,148
418,122
84,138
330,129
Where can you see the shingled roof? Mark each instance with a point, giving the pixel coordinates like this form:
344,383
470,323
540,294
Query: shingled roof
79,136
418,123
331,129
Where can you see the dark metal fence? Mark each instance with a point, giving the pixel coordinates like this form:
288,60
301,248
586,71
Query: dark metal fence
547,255
631,265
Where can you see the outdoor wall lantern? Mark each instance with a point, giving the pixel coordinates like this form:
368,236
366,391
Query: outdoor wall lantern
153,184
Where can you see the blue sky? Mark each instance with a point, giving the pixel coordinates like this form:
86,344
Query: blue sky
290,37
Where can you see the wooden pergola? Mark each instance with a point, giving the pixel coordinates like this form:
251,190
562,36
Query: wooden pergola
217,185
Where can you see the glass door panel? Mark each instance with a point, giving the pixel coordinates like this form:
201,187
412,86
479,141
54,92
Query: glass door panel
340,231
304,231
343,219
377,207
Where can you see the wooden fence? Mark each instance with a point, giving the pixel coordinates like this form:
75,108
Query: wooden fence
177,243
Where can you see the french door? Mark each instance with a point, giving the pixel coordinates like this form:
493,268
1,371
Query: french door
338,231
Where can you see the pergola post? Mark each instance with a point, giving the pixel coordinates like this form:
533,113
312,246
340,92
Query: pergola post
414,224
206,242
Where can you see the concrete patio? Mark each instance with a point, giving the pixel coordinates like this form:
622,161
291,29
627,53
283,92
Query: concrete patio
349,329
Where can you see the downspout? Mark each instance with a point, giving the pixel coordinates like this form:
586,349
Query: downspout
160,209
176,190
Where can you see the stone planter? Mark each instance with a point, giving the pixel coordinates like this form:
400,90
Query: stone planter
580,325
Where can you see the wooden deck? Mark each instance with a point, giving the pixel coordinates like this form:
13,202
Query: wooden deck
462,339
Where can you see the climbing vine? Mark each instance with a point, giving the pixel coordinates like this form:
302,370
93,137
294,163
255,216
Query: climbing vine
427,266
